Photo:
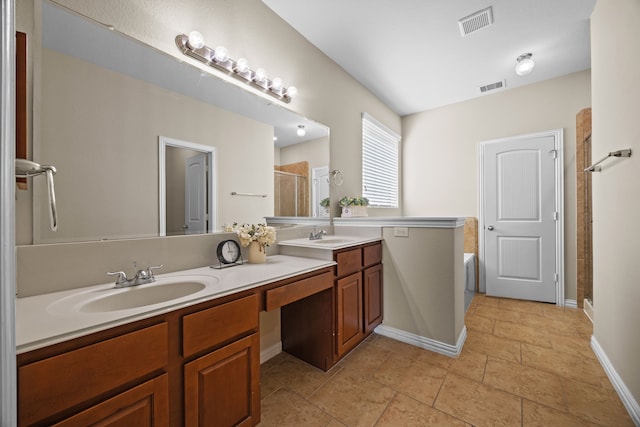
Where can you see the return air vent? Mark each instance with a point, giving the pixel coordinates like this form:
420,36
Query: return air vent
476,21
493,86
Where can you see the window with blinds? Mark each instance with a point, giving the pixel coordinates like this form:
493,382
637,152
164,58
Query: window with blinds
380,147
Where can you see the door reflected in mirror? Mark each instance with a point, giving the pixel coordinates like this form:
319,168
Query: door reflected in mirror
187,187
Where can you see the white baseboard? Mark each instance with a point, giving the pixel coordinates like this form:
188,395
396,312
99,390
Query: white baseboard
588,309
625,394
270,352
423,342
571,303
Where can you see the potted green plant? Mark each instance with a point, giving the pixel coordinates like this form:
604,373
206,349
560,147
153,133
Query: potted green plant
324,204
353,206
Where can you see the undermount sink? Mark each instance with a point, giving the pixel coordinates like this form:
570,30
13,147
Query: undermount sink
134,297
330,241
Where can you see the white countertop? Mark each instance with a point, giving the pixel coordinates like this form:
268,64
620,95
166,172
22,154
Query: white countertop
329,242
47,319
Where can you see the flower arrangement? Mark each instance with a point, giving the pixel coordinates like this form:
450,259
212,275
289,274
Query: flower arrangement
353,201
263,234
325,202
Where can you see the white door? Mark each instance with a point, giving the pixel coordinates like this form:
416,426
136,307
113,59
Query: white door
521,180
195,203
319,189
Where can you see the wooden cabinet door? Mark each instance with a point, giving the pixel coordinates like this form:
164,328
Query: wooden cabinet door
372,284
144,405
349,312
222,388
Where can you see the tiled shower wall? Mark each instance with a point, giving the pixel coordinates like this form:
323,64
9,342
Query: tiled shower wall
583,211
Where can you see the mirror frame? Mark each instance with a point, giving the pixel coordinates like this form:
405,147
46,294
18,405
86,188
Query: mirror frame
212,194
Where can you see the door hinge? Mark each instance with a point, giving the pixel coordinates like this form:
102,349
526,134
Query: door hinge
556,216
556,278
554,153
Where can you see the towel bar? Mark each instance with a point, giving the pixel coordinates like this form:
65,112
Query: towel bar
235,193
620,153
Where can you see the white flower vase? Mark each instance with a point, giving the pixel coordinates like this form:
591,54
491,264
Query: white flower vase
256,253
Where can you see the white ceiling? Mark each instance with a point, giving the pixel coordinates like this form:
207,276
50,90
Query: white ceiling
411,54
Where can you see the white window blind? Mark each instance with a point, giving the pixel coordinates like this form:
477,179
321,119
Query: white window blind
380,147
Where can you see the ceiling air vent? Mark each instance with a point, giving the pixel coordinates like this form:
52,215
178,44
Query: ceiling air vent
476,21
493,86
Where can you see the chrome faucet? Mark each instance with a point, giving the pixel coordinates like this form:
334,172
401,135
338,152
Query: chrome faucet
316,235
141,277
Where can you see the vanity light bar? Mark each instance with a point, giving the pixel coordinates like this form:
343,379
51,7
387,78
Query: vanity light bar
218,58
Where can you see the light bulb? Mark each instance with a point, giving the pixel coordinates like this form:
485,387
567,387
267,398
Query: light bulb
196,40
220,54
260,75
301,130
291,92
524,64
242,65
276,84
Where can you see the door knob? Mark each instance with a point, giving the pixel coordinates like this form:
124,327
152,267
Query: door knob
490,228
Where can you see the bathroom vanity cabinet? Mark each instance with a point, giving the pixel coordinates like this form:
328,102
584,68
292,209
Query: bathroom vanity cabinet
198,365
358,284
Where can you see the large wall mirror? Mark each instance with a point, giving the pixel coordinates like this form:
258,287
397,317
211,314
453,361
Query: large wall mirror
101,103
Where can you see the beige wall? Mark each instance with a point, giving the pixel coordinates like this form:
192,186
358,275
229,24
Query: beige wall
440,157
615,40
424,283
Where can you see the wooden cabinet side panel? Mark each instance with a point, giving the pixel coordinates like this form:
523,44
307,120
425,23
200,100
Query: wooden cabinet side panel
307,329
349,312
144,405
222,388
348,262
219,324
373,301
60,382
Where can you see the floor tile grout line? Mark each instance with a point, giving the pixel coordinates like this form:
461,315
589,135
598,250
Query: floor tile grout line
386,407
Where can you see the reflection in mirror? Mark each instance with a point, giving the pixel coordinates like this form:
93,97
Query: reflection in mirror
187,187
101,100
301,177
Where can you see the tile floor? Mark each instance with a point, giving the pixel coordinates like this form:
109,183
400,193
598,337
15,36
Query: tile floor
523,364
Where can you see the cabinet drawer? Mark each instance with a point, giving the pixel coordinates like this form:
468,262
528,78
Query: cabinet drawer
348,262
216,325
298,290
372,254
57,383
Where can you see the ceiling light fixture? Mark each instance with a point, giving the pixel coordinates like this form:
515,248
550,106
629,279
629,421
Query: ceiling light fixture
218,58
524,64
301,130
